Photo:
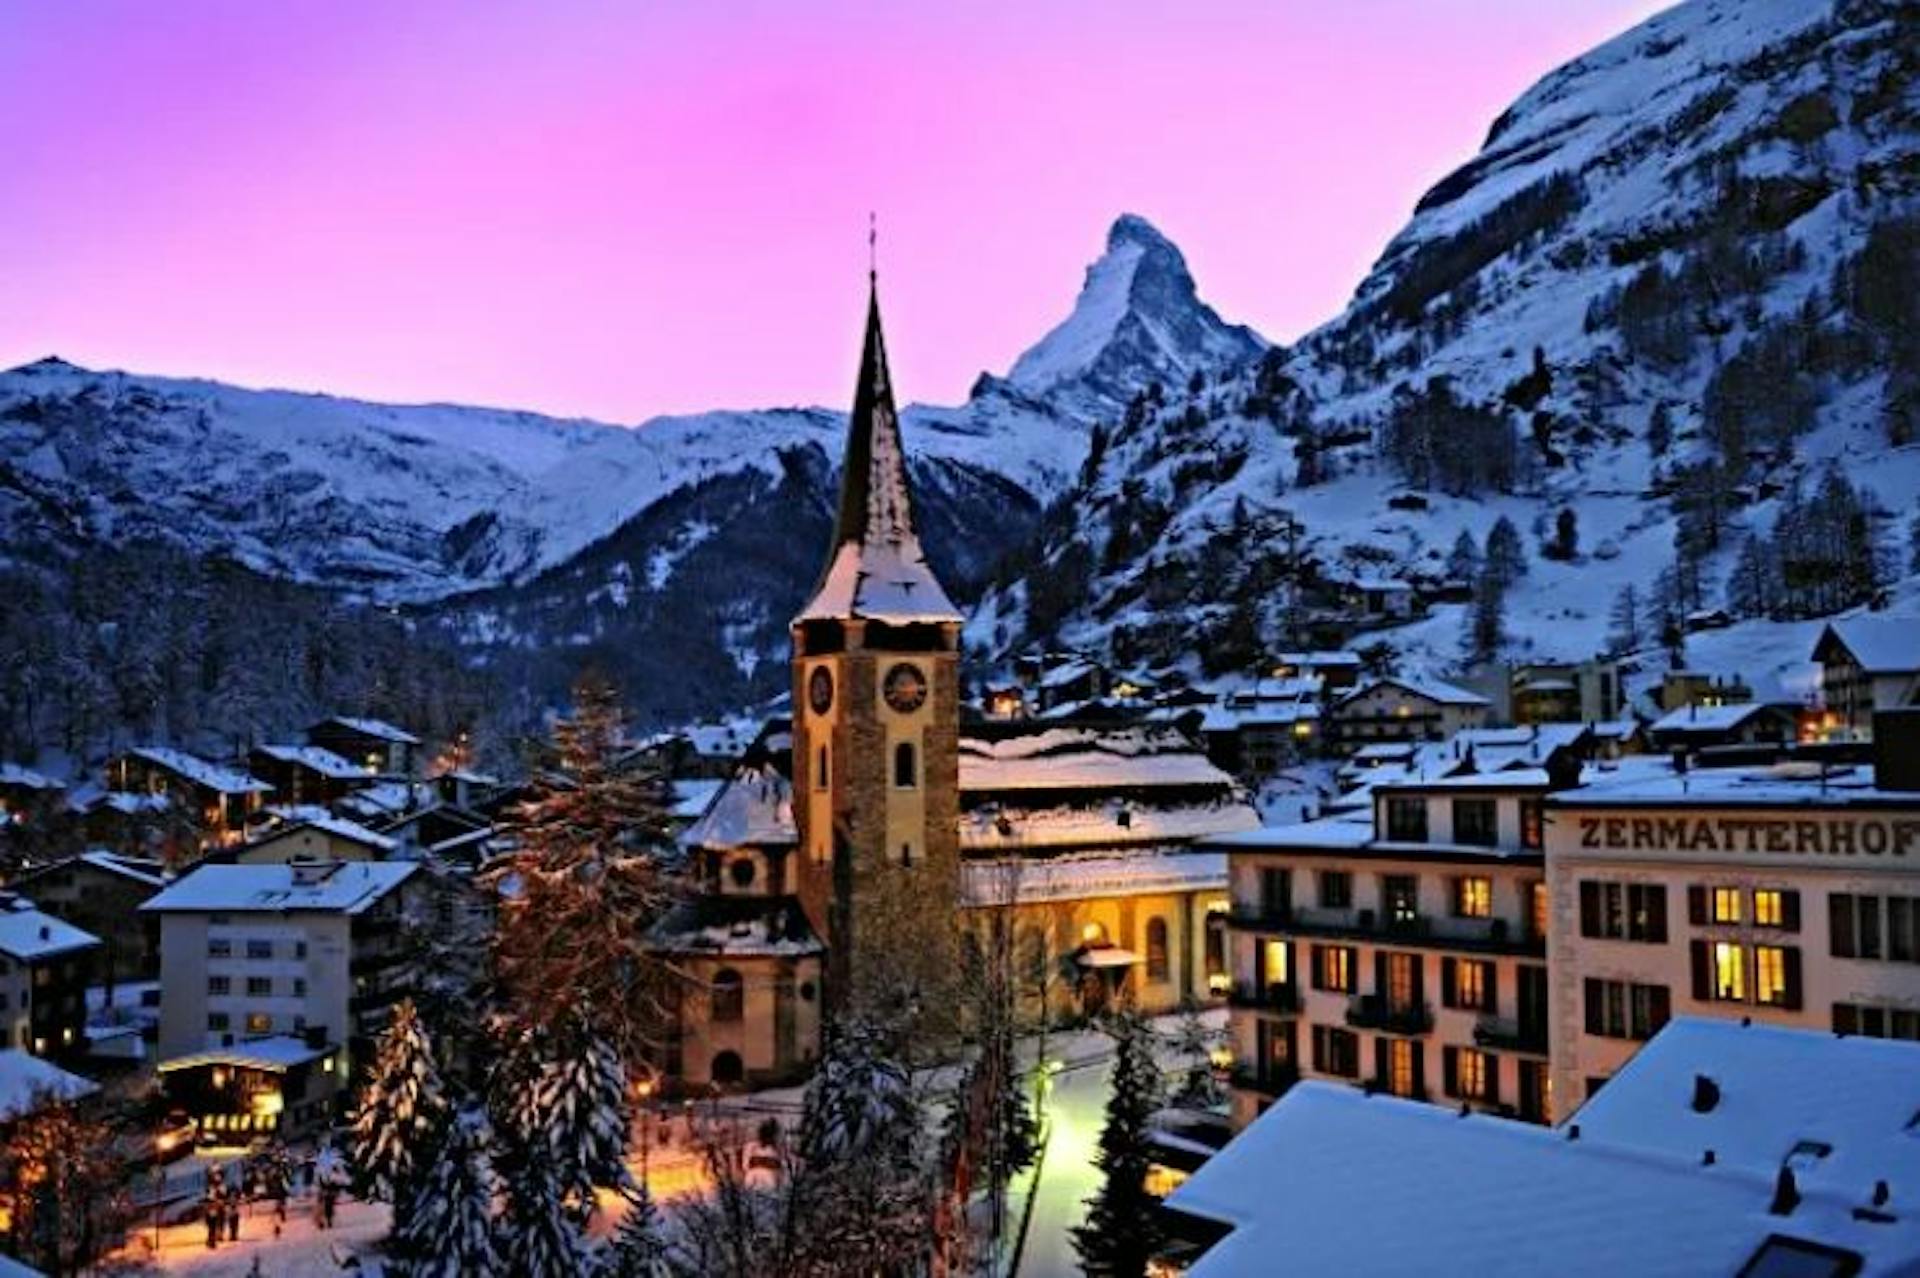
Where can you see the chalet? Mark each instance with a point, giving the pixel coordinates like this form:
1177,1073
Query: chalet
25,793
1252,735
428,828
1682,688
1868,664
1704,727
1335,670
377,748
220,800
313,834
101,892
1405,709
305,773
463,787
1382,598
275,980
46,965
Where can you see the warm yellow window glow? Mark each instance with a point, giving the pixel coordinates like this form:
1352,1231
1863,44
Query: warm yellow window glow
1769,974
1729,972
1162,1180
1726,905
1339,968
1404,711
1769,908
1473,898
1400,1066
1303,729
1470,984
1274,962
1472,1079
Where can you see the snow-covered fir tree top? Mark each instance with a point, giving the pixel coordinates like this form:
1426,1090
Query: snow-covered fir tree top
879,571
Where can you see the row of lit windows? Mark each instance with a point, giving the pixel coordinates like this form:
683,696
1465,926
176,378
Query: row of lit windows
1723,906
255,1022
1725,972
1471,895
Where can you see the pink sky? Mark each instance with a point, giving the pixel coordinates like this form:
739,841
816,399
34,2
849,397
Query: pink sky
621,209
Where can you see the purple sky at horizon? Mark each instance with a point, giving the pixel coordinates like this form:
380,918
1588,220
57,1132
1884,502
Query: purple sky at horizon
622,210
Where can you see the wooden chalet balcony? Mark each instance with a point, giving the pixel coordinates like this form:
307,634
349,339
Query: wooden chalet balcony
1467,936
1274,1080
1507,1035
1376,1012
1274,998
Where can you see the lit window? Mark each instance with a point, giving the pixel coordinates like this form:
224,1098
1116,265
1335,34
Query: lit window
1769,908
1274,969
1470,985
259,1023
1400,1066
1770,975
1532,824
1471,1077
1473,898
1729,972
1726,905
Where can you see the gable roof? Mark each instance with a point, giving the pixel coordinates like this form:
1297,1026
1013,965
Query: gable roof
378,728
1435,690
25,1079
28,934
1881,645
315,759
755,807
349,888
210,776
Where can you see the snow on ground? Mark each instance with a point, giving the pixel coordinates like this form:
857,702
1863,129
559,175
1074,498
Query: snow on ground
301,1248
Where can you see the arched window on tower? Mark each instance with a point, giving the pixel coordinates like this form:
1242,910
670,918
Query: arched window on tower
821,777
729,995
906,766
1156,949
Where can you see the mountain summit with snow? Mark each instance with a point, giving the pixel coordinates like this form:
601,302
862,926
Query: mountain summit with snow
1139,317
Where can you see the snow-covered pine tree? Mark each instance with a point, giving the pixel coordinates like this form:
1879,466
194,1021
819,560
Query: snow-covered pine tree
1193,1042
585,880
451,1232
1122,1231
401,1117
1463,561
1506,557
582,1116
538,1237
638,1248
1486,618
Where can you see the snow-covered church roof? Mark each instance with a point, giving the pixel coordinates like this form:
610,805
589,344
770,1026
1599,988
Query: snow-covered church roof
878,571
755,807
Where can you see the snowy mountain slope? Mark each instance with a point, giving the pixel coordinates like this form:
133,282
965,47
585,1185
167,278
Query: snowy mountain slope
1654,299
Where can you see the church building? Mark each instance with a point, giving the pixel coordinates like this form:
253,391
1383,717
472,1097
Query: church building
854,862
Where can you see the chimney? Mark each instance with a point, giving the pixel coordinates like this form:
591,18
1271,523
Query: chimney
1881,1193
1707,1159
1706,1094
1786,1194
1896,749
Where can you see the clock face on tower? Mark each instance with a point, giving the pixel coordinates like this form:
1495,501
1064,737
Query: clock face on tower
820,690
906,688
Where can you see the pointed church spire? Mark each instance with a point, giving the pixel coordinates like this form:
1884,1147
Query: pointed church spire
878,569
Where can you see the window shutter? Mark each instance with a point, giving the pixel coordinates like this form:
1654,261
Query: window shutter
1493,1079
1659,1006
1317,961
1380,974
1697,905
1381,1074
1449,983
1702,978
1419,1069
1791,969
1419,962
1319,1049
1490,988
1596,995
1450,1070
1589,908
1790,911
1840,923
1656,913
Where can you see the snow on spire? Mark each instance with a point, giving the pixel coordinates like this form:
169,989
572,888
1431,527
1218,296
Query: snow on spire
878,570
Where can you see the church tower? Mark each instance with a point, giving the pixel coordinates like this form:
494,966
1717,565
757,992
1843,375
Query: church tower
876,705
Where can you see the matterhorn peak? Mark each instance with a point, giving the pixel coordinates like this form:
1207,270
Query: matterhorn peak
1138,318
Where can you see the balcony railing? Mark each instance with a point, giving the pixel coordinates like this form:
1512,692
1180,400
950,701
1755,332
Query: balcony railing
1274,998
1374,1011
1274,1080
1510,1036
1491,936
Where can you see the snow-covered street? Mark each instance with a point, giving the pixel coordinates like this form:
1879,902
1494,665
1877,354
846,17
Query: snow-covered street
1075,1110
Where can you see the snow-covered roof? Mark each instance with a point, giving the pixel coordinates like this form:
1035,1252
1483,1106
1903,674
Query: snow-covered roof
754,807
1445,694
1881,645
1504,779
1076,877
1707,718
1234,718
1652,779
377,728
1776,1087
275,1055
389,798
12,774
1323,657
210,776
28,934
336,826
139,869
1109,825
123,802
1385,752
25,1079
315,759
878,570
1067,672
1346,830
1341,1182
1082,757
739,926
691,797
344,887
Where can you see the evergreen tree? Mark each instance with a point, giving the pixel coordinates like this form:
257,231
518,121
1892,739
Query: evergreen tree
1913,545
1309,465
1194,1042
1122,1230
1566,536
1660,430
1486,618
402,1116
637,1248
450,1234
586,881
539,1238
1753,590
1626,634
582,1118
1506,557
1463,561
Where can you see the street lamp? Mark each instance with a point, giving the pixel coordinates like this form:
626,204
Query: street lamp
642,1092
